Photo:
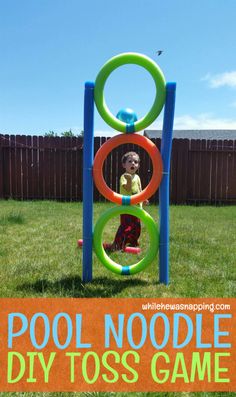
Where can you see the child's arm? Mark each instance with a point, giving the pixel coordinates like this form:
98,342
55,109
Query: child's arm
128,184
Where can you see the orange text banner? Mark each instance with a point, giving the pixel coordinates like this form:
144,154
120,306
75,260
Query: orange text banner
118,344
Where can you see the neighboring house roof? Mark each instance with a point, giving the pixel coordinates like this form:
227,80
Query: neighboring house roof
195,134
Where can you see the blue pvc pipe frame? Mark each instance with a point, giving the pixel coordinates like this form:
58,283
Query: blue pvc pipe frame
164,190
88,155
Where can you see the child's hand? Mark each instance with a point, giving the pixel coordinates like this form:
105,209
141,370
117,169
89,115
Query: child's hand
128,177
146,202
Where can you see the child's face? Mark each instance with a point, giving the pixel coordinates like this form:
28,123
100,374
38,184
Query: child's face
131,164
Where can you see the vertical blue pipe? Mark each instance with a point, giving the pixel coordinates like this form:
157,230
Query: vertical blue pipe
88,154
166,145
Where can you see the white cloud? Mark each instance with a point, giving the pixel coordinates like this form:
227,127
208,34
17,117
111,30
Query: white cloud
204,121
227,79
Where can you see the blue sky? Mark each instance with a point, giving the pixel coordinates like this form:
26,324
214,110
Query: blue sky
49,48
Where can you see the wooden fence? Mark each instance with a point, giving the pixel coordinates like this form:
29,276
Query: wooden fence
35,167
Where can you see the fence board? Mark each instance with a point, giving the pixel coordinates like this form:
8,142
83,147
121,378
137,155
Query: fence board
105,169
108,174
68,168
207,180
24,167
79,166
155,198
117,164
35,167
214,149
46,169
182,170
231,189
219,171
52,167
73,169
63,168
96,194
57,169
41,167
204,174
29,167
6,168
12,182
224,173
198,166
173,172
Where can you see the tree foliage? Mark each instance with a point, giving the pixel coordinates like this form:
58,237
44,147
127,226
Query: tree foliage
69,133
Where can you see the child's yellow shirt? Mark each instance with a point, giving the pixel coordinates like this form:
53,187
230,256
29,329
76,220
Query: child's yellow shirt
135,185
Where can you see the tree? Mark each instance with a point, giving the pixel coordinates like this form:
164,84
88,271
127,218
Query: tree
68,133
50,134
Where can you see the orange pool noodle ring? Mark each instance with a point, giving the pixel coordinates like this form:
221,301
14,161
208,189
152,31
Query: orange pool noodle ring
111,144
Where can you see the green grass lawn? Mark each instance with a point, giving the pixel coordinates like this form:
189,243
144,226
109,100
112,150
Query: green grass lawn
39,255
39,258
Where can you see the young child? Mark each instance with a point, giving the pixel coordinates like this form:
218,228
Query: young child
130,227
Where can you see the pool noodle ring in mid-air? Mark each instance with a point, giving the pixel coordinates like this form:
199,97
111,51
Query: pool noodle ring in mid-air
153,244
106,148
107,69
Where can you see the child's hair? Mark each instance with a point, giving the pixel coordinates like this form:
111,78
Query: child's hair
126,155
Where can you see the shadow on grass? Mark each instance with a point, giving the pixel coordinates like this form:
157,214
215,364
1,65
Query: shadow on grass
100,287
13,218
